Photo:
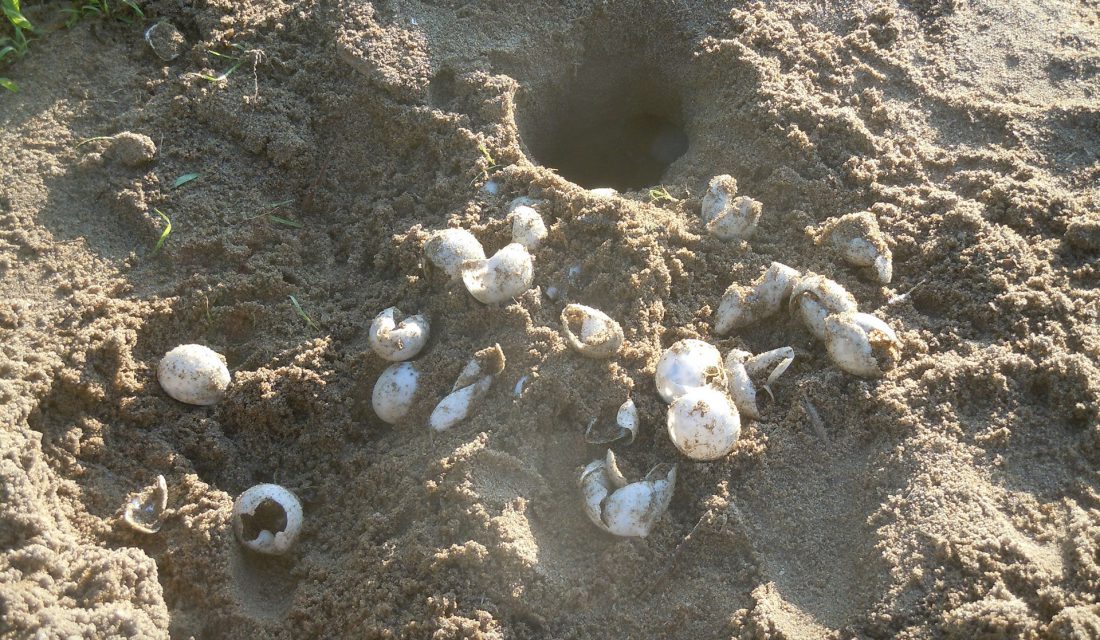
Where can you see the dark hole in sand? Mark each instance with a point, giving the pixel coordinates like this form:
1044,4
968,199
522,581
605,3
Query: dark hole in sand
269,516
613,123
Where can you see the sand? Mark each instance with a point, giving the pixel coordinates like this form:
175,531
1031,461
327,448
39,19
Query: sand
956,497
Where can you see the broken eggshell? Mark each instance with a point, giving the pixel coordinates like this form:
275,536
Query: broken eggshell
193,374
703,423
267,518
742,306
686,365
471,386
449,249
504,276
591,332
528,229
145,511
626,424
861,344
397,337
395,391
725,217
622,508
858,239
814,297
742,366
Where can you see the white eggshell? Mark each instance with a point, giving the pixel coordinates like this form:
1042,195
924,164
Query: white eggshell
528,227
450,248
603,192
193,374
703,423
458,405
504,276
861,243
742,390
814,297
591,332
268,542
686,365
397,341
145,511
742,306
727,218
861,344
621,508
627,418
395,391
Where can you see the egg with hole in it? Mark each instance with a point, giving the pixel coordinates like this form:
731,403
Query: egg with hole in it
688,364
397,337
267,518
507,274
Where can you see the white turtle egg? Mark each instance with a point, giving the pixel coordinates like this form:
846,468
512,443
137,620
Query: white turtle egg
528,228
193,374
858,239
861,344
742,306
591,332
450,248
603,192
725,217
506,275
686,365
395,391
267,518
814,297
396,337
622,508
703,423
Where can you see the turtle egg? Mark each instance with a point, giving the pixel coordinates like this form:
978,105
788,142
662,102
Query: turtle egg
686,365
726,218
505,275
814,297
703,423
528,228
396,337
591,332
267,518
858,239
861,344
450,248
395,391
472,384
193,374
741,306
622,508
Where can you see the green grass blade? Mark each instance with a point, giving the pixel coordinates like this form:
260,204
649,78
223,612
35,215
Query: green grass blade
184,179
164,234
9,85
285,221
303,314
15,16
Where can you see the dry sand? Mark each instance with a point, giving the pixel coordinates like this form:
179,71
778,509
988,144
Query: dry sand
959,496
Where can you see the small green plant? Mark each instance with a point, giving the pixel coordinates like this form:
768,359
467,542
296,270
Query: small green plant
490,163
184,179
124,11
163,234
305,316
660,194
13,38
237,60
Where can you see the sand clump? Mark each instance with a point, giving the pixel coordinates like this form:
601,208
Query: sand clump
955,496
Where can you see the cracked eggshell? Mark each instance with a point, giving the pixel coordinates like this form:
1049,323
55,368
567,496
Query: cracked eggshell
861,344
528,229
686,365
449,249
397,337
742,306
458,405
591,332
395,391
627,418
269,542
704,423
814,297
506,275
145,511
725,217
858,239
193,374
742,365
621,508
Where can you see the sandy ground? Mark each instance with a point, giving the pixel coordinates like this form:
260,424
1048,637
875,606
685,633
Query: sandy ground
957,497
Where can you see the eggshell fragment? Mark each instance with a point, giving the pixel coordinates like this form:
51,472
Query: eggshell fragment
506,275
193,374
688,364
449,249
861,344
471,386
741,366
395,392
396,337
267,518
725,217
703,423
622,508
591,332
145,511
742,306
858,239
814,297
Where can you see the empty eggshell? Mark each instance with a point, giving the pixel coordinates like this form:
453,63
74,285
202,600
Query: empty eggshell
193,374
688,364
725,217
742,306
450,248
858,239
622,508
703,423
591,332
396,337
528,228
395,391
627,418
814,297
472,384
742,366
145,511
861,344
504,276
267,518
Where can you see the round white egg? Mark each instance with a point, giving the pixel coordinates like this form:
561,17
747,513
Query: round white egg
194,374
704,424
395,391
267,518
686,365
449,248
